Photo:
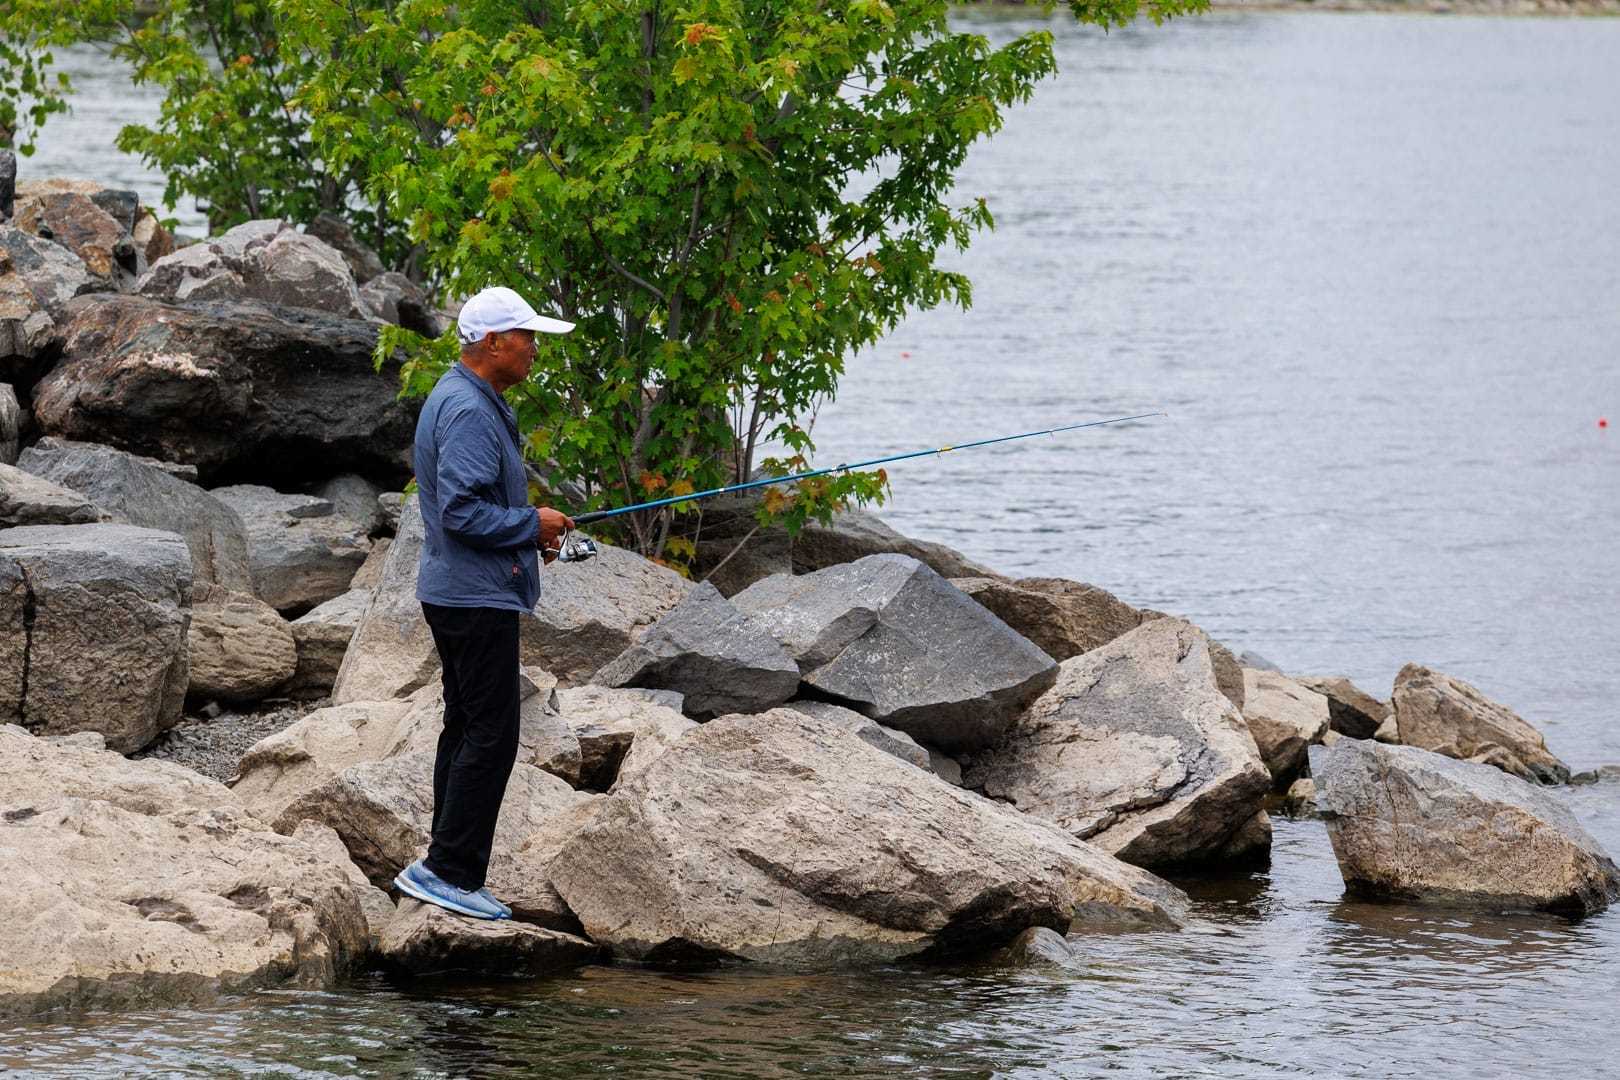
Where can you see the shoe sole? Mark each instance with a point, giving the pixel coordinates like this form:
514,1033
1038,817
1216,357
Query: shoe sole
416,892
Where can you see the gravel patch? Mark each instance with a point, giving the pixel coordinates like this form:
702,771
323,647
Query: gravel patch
214,746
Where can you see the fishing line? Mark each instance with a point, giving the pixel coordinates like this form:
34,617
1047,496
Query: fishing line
583,549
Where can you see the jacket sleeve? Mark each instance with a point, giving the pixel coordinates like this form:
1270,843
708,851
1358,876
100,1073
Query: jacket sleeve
469,486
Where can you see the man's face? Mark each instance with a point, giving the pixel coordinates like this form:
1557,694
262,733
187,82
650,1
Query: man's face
512,353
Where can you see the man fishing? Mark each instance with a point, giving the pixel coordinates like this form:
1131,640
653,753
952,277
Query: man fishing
479,572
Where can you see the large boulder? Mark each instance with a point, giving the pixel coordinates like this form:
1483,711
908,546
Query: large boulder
238,648
26,329
142,884
300,552
620,732
140,492
1436,712
1284,718
321,637
242,390
784,839
1412,825
1136,750
890,638
284,767
26,499
363,261
395,298
890,741
93,622
426,940
1351,710
354,497
1065,618
855,534
260,260
712,655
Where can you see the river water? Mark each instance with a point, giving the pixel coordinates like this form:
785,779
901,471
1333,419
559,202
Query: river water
1370,266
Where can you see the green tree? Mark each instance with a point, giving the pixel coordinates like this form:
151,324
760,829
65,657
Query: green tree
228,133
730,198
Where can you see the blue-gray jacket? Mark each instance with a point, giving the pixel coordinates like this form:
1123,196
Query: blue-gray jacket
482,535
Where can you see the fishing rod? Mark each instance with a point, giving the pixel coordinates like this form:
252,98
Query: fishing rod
577,550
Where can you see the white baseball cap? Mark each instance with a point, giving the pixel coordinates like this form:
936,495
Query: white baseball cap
499,309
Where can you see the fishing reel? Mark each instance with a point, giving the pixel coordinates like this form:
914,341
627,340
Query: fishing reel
576,547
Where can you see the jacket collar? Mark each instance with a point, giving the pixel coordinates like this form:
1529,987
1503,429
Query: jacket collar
502,408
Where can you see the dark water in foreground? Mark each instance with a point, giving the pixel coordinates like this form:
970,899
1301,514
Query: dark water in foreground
1371,266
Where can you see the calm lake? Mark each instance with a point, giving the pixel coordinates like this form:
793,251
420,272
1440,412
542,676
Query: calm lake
1370,266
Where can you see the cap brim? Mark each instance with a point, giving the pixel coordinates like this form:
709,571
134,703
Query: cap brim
542,325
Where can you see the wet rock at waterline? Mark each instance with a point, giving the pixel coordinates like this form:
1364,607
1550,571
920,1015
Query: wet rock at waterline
783,839
426,940
890,638
142,492
1436,712
93,622
243,390
1351,710
1284,718
1136,750
143,884
711,654
1415,826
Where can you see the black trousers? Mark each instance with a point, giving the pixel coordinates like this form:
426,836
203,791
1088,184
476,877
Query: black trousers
479,650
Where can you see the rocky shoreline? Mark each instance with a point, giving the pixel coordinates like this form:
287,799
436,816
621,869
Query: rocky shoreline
845,748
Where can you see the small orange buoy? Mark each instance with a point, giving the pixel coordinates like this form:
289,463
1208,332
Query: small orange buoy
905,356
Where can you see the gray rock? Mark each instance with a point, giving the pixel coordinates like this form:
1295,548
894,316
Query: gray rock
355,498
1064,618
391,504
363,262
260,260
51,273
139,884
1284,718
369,576
10,425
1228,673
1415,826
1436,712
135,490
93,625
710,653
8,181
889,740
1250,659
300,553
395,298
890,638
1300,799
26,329
944,766
783,839
26,499
855,534
321,637
242,390
590,612
426,940
391,653
1136,750
238,648
1351,710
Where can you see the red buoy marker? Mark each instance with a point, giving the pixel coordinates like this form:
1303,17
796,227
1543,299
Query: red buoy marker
1603,423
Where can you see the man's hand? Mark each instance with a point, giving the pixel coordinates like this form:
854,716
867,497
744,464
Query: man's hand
554,525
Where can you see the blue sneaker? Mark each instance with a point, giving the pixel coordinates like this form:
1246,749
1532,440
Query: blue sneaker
506,912
420,883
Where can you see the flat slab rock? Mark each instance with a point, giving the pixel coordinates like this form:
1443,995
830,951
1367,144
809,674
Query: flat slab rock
1412,825
891,639
1136,750
425,940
